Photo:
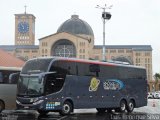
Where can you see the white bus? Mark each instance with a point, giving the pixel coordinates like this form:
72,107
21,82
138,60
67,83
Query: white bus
7,87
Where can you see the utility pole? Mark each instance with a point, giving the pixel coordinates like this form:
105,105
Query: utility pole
105,16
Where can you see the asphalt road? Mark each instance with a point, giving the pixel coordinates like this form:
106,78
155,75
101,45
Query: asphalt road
80,115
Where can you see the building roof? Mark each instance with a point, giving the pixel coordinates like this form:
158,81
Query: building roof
24,14
75,25
133,47
8,60
64,32
13,47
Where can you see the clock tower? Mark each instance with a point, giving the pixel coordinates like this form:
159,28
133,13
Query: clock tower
24,29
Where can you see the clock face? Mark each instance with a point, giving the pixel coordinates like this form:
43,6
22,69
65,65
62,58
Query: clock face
23,27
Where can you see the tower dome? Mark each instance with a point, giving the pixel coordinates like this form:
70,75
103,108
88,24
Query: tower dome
75,25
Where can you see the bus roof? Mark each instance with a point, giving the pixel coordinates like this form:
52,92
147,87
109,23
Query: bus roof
10,68
107,63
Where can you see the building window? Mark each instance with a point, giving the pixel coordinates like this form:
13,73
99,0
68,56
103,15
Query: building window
26,51
139,60
97,57
18,51
112,51
138,54
128,51
42,51
46,51
83,50
120,51
34,51
64,48
145,60
44,44
82,43
80,51
147,54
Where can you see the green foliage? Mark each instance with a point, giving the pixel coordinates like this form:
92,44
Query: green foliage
156,77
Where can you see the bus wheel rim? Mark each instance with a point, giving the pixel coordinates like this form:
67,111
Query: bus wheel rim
123,106
131,106
66,108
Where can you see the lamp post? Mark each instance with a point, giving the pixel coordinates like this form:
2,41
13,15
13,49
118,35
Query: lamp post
105,16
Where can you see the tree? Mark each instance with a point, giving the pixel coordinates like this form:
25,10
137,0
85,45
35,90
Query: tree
157,78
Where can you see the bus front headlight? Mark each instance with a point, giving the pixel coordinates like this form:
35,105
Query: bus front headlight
18,102
38,102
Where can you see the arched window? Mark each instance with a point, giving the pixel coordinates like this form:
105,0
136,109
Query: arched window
64,48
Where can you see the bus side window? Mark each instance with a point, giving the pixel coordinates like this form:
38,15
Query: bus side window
94,68
1,77
54,82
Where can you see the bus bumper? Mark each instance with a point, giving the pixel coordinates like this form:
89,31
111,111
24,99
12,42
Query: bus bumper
39,105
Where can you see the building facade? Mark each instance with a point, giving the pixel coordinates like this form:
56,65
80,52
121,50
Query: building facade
74,38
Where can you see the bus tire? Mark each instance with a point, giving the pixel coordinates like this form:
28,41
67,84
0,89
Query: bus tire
101,110
122,106
109,110
67,108
2,106
130,106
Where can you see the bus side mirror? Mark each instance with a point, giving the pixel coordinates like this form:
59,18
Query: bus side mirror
13,78
94,68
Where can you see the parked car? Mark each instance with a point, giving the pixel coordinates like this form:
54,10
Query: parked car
156,95
150,95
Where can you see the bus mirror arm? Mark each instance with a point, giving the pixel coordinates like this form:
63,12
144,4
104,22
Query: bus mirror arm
40,78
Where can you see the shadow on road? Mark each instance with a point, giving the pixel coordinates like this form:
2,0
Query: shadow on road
76,116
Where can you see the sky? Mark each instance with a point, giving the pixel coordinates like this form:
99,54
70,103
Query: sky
133,22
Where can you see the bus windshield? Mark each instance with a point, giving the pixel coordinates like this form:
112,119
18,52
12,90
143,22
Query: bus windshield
30,85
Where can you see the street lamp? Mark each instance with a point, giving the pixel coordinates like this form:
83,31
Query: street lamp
105,16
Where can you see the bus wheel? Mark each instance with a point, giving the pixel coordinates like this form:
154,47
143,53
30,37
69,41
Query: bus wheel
122,106
101,110
67,108
130,106
2,106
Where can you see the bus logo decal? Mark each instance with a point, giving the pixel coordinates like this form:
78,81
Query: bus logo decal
113,84
94,84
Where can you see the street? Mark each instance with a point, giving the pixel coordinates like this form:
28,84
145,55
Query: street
149,112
